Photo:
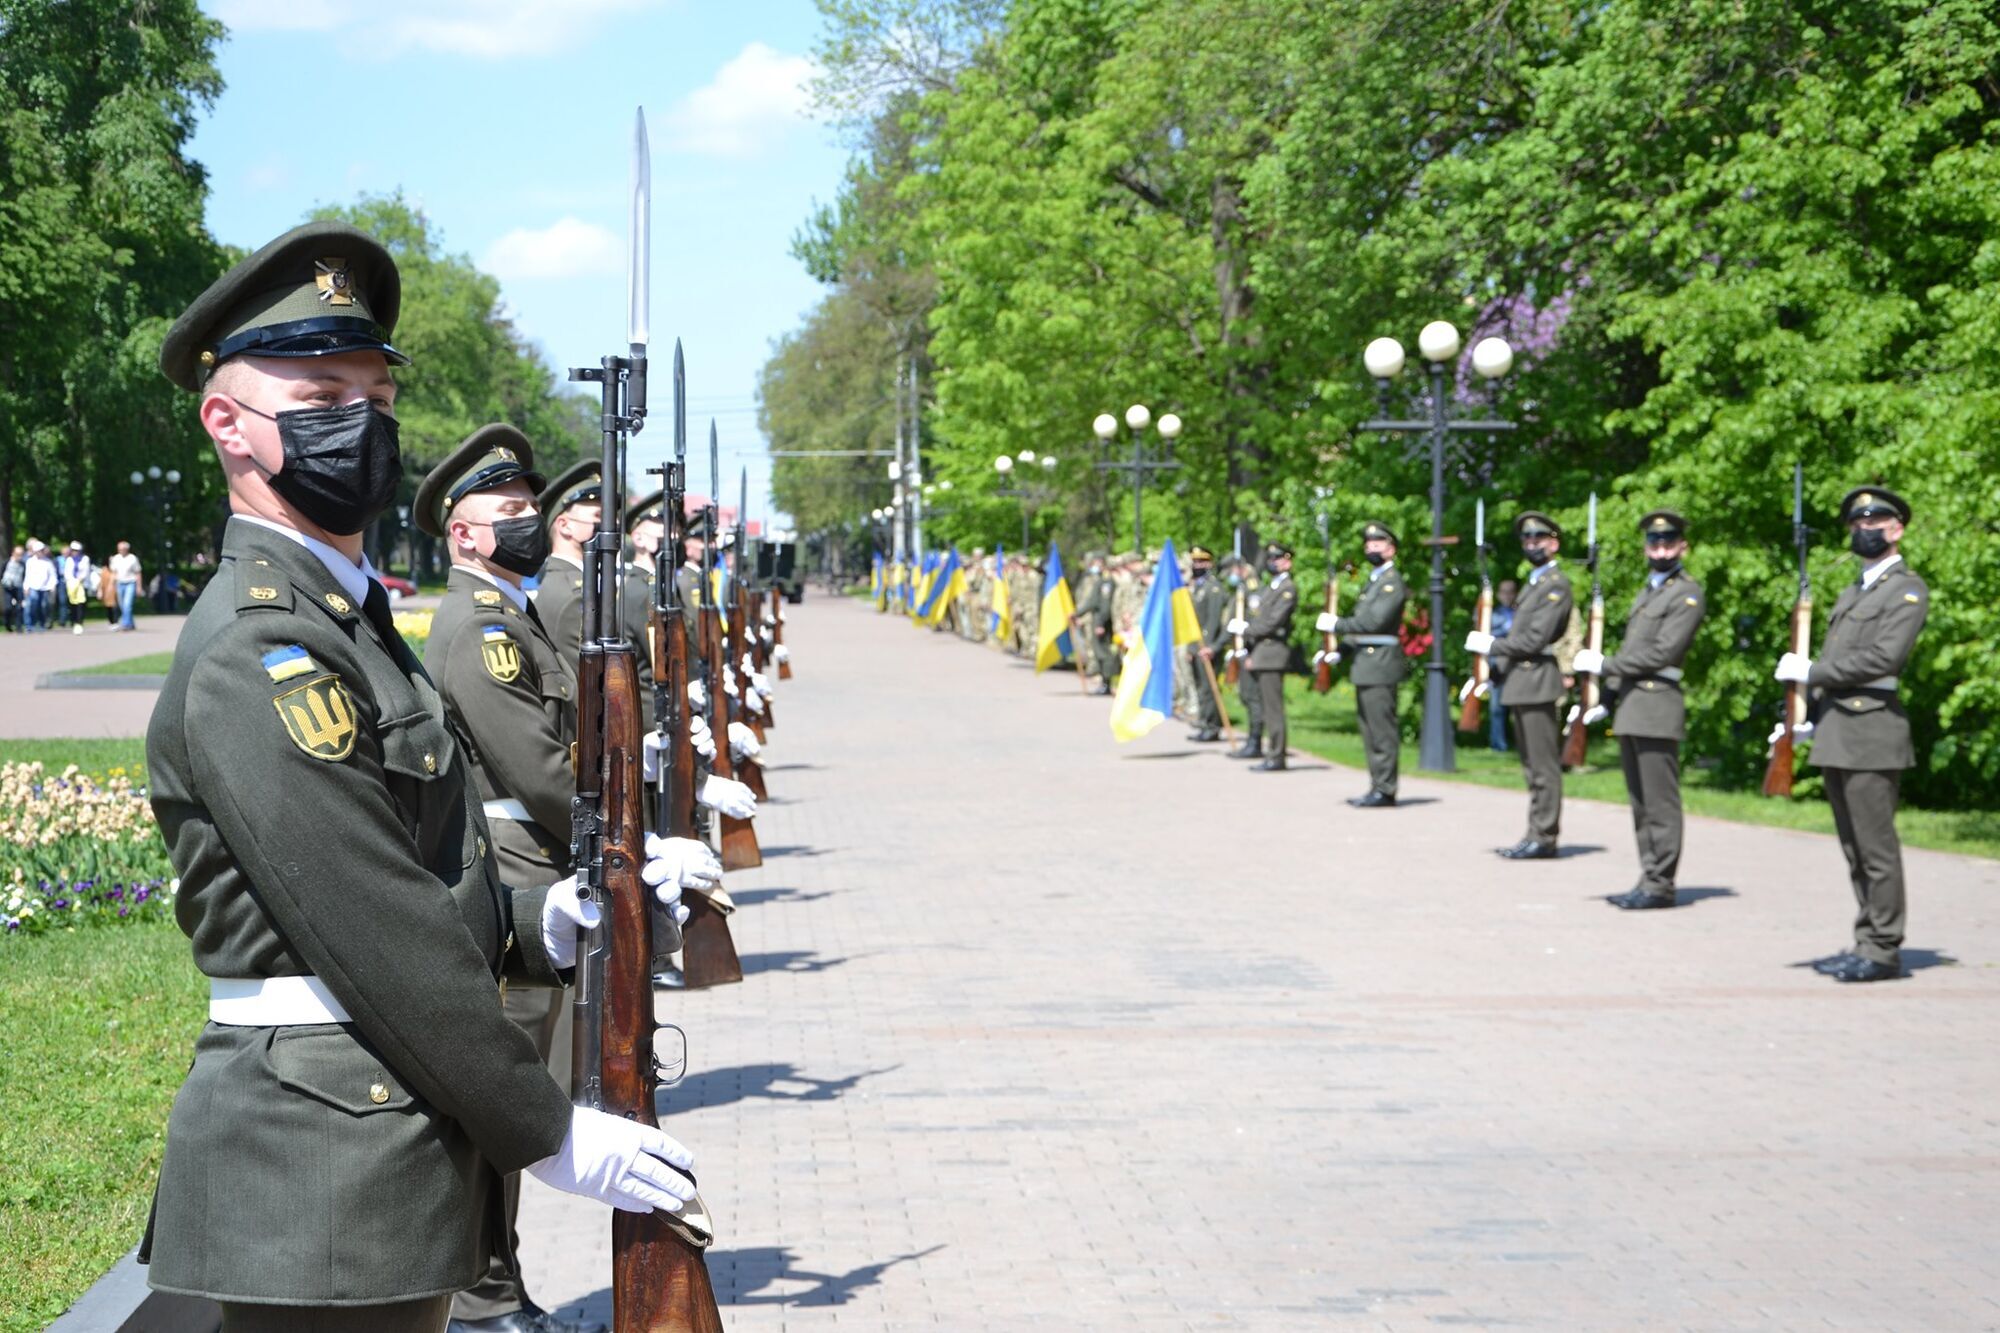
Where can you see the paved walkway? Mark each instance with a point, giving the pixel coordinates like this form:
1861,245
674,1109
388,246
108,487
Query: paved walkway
27,713
1046,1032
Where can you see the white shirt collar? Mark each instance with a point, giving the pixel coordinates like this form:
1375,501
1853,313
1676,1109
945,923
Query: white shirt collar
514,591
1876,570
353,579
1380,570
1535,574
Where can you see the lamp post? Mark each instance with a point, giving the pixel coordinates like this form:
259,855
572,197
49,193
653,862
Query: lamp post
1439,343
1004,465
1143,462
159,490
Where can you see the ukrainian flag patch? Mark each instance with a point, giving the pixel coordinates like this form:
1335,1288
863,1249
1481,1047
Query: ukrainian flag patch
291,660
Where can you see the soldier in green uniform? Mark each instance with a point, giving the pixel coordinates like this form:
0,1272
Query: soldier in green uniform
1644,676
1268,635
1525,659
645,532
357,1090
1245,594
1861,735
1211,597
1093,615
1370,635
572,507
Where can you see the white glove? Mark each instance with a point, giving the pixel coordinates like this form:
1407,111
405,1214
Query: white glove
749,664
654,743
617,1161
649,760
766,632
1331,659
1597,713
1589,661
729,682
673,864
1478,641
743,741
562,916
1802,732
1570,719
770,621
697,694
754,701
726,796
760,683
1793,669
1326,621
701,737
780,653
1236,625
1465,690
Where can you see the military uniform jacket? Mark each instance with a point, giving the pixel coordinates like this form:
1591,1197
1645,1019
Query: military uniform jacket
1269,637
1094,607
1525,656
1378,611
559,600
1212,599
636,608
1657,636
1858,720
511,700
687,580
317,811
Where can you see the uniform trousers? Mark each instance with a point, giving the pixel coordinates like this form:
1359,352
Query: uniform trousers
1253,705
1271,709
1653,785
1380,737
1538,736
426,1314
1864,815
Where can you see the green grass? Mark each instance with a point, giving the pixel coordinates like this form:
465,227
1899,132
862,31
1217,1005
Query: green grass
96,757
152,664
100,1025
1325,725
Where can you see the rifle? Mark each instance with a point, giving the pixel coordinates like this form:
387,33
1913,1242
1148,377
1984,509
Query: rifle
708,952
778,630
748,640
1778,775
659,1279
1482,620
1323,673
738,850
1576,747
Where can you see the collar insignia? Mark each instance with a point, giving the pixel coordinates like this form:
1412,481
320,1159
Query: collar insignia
339,603
264,594
486,597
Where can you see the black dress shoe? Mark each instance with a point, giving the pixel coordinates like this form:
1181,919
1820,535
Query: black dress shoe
1866,969
1832,963
1274,764
1372,801
1529,850
1205,735
1638,900
1248,750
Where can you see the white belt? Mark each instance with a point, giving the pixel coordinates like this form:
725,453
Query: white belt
508,809
272,1002
1879,683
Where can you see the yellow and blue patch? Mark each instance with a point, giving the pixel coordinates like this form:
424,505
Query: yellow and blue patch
289,661
501,655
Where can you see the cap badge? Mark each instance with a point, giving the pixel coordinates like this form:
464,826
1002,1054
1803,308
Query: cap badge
335,286
1863,500
505,455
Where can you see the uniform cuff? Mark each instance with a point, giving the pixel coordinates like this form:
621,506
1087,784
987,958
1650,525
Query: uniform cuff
529,959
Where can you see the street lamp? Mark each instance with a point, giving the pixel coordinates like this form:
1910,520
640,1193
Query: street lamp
158,491
1143,462
1439,344
1021,490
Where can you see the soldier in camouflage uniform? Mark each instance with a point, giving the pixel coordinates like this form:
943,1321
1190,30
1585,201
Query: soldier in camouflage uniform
1093,617
1211,598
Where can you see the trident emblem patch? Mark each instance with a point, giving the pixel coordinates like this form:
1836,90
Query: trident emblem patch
319,717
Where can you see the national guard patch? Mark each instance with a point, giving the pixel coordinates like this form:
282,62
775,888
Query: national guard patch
319,717
486,597
289,661
501,654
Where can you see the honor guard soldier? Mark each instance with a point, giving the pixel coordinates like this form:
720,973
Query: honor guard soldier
1532,679
1095,594
357,1091
1861,735
1644,675
1242,579
1211,598
572,507
1268,636
645,533
687,579
1372,638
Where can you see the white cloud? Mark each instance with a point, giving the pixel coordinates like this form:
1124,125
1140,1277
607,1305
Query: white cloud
753,100
482,29
567,248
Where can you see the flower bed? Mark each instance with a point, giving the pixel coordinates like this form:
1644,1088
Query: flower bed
78,850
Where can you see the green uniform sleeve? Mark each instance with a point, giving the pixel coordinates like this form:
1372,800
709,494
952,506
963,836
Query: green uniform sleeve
333,863
524,752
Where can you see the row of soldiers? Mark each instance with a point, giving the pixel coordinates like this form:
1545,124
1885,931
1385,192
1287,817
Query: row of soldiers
375,851
1855,719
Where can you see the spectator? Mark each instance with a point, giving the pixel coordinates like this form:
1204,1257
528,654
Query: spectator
39,580
76,575
1503,620
12,594
125,570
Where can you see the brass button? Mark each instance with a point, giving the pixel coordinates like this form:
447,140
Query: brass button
481,843
378,1093
430,763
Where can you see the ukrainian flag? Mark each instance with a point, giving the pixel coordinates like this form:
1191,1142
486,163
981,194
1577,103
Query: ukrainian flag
1146,689
920,592
947,586
1000,620
878,584
1052,633
717,585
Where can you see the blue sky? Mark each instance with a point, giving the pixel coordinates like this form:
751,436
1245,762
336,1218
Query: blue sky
507,122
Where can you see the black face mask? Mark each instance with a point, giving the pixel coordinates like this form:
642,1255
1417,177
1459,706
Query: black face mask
1664,564
1375,558
342,465
1868,542
521,545
1538,555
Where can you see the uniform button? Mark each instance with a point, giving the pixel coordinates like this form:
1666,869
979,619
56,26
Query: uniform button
378,1093
482,845
430,763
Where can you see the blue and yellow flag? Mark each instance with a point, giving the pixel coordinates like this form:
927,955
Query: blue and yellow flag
1000,620
878,584
1052,644
947,586
1146,689
920,589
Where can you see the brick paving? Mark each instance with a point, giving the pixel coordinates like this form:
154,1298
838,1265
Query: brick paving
1231,1055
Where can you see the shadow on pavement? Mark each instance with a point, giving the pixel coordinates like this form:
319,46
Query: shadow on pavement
793,768
740,1275
1687,896
797,849
752,897
1917,960
773,1082
787,960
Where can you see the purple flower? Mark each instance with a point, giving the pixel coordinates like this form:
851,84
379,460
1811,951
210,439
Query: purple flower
123,910
143,895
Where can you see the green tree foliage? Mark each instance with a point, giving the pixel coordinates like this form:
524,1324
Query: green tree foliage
1723,236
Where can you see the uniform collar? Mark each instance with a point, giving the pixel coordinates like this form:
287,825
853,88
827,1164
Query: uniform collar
1535,574
513,592
1871,575
576,565
354,580
1380,570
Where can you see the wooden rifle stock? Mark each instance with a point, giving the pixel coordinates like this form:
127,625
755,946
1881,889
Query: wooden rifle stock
778,630
739,849
1482,620
1778,774
1576,746
708,950
1323,673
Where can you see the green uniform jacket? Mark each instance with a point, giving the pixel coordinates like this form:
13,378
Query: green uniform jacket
321,823
1093,607
636,607
688,580
1378,613
1269,637
1858,724
1525,656
1657,636
511,700
1212,598
559,599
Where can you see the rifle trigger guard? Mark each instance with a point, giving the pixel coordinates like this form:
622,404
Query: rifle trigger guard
670,1074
